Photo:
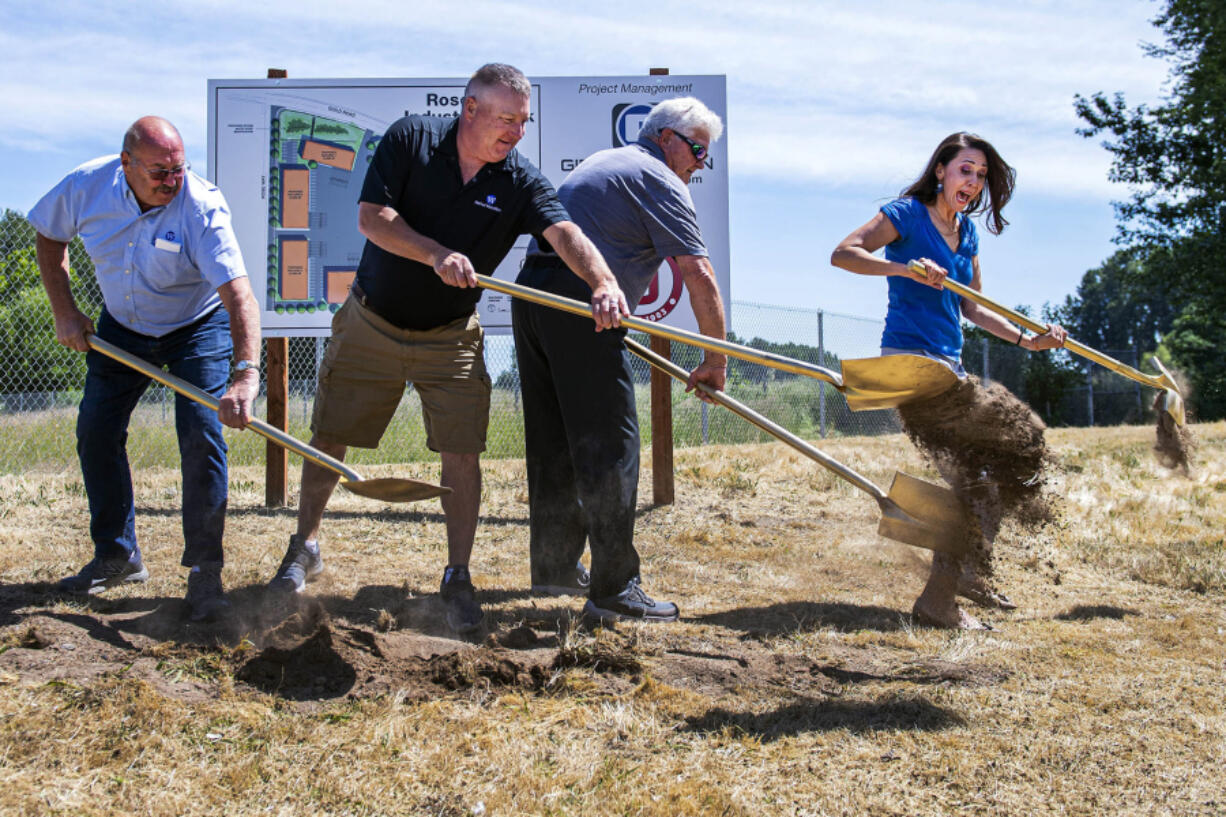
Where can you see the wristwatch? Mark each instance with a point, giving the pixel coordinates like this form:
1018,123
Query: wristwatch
244,365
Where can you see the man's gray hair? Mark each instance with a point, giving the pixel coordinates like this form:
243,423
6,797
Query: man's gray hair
682,114
494,74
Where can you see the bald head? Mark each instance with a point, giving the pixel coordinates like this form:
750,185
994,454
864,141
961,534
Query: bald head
153,161
154,132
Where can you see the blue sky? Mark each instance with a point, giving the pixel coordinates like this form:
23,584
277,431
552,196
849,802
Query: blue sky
833,106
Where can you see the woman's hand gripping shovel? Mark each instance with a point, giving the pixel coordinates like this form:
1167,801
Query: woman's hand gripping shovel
871,383
914,511
387,489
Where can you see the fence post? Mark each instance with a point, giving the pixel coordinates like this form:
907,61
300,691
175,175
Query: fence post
276,354
1136,387
821,361
987,369
1090,392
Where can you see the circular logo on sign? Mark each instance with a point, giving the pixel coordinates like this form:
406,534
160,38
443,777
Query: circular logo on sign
627,120
663,294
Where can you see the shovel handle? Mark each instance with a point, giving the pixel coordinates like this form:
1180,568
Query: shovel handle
202,397
729,348
745,412
1073,346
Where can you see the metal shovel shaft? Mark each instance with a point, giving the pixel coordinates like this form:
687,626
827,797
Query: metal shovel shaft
1163,382
391,489
729,348
772,428
937,526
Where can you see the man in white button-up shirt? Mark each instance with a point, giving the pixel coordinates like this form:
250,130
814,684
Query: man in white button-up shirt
176,294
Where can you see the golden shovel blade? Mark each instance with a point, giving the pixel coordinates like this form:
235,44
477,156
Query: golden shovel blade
892,380
393,489
920,513
1171,401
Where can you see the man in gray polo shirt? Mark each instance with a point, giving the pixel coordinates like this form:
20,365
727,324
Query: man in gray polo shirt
580,421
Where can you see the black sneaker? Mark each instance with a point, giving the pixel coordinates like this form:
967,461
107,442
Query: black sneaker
205,599
299,566
464,615
631,604
575,584
102,573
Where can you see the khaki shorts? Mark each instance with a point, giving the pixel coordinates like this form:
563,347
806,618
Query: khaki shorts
362,377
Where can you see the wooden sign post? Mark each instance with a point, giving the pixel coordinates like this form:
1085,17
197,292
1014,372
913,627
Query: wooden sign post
276,379
662,486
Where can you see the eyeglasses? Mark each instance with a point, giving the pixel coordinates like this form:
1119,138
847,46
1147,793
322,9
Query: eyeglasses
161,174
700,151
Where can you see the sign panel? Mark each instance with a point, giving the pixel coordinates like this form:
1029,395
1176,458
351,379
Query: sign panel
291,155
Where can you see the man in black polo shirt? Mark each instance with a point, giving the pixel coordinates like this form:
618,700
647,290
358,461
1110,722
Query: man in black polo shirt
444,199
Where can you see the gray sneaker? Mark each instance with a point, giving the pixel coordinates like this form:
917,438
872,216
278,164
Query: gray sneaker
299,566
464,615
206,601
631,604
576,584
102,573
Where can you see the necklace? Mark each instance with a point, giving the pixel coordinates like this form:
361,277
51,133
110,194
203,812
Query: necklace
950,230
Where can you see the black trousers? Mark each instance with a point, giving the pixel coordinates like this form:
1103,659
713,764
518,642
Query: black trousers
581,433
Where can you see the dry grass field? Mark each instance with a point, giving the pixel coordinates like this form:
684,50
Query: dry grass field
795,684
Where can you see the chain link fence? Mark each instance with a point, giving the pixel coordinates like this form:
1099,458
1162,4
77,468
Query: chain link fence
40,382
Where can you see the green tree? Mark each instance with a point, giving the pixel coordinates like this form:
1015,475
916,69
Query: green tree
1119,305
1173,157
33,360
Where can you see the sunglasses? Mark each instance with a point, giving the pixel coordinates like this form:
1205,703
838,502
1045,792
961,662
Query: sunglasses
700,151
159,174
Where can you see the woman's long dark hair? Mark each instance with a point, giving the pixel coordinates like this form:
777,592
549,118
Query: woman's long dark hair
1000,181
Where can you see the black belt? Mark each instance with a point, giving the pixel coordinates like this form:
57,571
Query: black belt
359,295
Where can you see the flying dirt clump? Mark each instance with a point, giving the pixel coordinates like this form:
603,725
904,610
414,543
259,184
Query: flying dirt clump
1175,444
989,447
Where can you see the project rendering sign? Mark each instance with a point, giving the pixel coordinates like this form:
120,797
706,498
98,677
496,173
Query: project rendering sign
291,155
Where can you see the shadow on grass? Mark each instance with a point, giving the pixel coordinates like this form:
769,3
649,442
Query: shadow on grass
1089,612
382,512
801,616
822,715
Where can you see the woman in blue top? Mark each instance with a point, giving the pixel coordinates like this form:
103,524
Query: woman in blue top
930,223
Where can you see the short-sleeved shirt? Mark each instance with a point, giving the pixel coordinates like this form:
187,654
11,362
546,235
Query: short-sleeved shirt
416,172
920,317
158,270
636,211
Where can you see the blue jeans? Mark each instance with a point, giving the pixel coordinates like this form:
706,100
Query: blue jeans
200,354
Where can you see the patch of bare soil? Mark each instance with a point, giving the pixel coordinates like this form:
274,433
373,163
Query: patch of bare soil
307,653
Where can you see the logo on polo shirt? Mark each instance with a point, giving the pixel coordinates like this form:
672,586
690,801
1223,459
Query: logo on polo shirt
170,235
490,203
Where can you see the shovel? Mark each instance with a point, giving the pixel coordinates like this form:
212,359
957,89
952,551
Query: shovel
914,511
871,383
388,489
1172,400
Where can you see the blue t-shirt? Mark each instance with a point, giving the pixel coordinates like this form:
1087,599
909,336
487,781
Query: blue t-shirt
920,317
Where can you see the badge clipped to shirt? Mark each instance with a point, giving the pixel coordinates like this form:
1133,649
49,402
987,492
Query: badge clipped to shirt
168,243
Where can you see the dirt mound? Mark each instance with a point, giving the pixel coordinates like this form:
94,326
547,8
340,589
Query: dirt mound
309,656
989,446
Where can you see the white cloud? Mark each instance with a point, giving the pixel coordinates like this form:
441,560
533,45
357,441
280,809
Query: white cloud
826,92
